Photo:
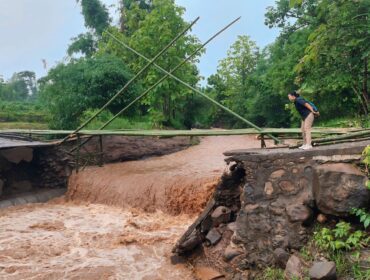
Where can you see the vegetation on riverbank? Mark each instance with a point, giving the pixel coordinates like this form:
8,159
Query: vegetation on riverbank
329,68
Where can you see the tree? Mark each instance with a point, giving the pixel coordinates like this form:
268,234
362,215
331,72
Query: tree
132,13
336,58
168,103
86,83
97,19
233,75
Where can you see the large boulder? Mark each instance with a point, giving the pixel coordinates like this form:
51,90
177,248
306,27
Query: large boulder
339,187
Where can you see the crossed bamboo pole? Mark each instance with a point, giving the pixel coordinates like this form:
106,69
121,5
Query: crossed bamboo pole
150,62
167,74
189,86
170,74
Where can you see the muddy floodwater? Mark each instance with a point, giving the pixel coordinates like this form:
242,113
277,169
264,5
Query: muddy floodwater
119,221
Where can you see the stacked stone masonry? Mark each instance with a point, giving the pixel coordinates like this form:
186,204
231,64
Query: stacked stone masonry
275,195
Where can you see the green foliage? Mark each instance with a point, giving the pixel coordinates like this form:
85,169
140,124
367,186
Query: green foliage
95,14
18,111
344,122
133,12
86,83
119,123
363,215
20,87
84,43
335,60
366,154
340,238
272,274
169,103
230,84
97,19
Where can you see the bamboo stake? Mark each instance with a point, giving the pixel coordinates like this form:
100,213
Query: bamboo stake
131,81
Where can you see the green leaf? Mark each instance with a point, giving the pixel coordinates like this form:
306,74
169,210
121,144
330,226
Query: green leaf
293,3
367,222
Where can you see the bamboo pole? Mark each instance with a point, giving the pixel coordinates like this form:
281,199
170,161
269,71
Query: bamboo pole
342,141
194,89
131,81
167,74
196,132
342,138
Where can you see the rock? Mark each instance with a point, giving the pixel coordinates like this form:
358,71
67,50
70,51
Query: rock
191,242
287,186
221,215
207,273
176,259
321,218
269,189
277,174
299,213
340,187
213,237
281,257
231,226
323,271
21,186
294,268
231,252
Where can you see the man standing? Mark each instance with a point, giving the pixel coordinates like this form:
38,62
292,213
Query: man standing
308,113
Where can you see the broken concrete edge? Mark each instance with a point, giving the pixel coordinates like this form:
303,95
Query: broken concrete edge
338,152
25,169
277,201
34,197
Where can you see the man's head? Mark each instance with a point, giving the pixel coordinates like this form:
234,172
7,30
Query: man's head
293,95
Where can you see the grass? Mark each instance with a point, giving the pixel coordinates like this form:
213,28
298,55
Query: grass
23,125
345,122
137,123
22,115
272,274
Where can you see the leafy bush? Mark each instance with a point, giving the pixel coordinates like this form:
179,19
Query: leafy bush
119,123
340,238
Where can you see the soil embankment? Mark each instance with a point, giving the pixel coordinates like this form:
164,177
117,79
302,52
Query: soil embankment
103,230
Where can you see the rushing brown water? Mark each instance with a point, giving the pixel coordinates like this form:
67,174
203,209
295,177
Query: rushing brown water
117,222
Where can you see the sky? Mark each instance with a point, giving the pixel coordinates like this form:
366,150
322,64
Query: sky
35,30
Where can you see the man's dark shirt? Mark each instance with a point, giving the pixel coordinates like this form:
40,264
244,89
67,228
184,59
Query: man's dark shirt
302,110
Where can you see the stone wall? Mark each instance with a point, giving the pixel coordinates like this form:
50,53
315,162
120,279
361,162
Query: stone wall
276,200
26,169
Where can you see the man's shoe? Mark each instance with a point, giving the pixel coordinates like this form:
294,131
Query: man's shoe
307,147
302,147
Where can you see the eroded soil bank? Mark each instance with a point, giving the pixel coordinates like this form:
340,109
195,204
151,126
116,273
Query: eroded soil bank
117,222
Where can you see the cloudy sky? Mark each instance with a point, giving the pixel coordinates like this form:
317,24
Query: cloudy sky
33,30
